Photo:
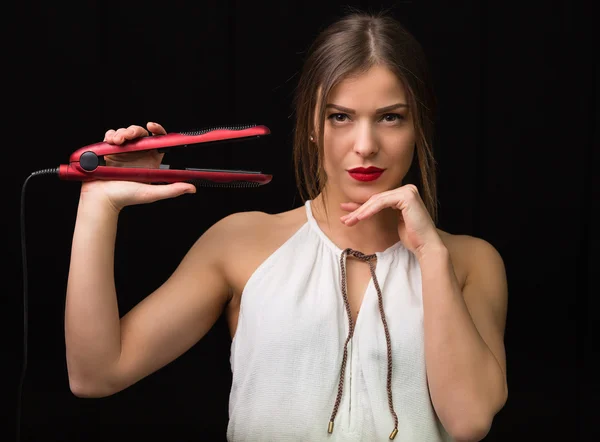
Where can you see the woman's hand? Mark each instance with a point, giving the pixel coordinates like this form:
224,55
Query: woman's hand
125,193
416,229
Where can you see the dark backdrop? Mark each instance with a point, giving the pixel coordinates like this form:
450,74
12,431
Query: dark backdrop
516,144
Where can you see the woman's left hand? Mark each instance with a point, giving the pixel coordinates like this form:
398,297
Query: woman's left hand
416,229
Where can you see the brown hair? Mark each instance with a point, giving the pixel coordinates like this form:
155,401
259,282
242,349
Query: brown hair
348,47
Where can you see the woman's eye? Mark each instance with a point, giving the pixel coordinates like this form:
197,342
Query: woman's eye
391,118
338,117
388,118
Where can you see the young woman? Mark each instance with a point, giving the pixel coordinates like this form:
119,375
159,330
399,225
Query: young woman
352,317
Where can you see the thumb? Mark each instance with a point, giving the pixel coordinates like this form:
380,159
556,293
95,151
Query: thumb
165,191
181,188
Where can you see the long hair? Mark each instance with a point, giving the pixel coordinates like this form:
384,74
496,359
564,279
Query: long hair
348,47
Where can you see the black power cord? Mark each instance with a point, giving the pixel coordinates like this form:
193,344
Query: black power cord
53,171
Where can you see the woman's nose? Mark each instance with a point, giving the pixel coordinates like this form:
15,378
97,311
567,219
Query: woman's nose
365,143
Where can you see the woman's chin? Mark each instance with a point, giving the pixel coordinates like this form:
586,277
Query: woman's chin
361,196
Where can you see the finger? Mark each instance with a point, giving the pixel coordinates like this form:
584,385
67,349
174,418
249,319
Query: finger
129,133
119,136
156,129
108,136
371,207
137,131
377,204
360,209
350,207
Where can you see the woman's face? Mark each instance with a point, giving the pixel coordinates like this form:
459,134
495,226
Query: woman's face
367,124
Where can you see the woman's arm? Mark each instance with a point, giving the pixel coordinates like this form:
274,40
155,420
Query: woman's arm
464,336
107,353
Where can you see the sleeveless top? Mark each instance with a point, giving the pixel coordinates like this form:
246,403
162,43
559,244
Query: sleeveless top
302,371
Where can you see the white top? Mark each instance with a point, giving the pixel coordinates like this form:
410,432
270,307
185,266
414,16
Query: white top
286,355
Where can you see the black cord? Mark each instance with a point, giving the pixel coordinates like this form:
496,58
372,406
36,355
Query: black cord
53,171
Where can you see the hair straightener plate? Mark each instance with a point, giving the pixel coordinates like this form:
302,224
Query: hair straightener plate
88,163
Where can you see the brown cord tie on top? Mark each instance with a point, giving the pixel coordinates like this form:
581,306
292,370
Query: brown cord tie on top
369,259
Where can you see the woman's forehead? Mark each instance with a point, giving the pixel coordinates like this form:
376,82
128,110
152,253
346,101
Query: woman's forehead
373,86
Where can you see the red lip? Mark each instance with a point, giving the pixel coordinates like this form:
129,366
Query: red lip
365,174
370,169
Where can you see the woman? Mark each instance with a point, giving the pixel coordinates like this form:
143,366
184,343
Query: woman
352,317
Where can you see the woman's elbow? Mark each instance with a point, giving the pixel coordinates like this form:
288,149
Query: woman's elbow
470,431
88,390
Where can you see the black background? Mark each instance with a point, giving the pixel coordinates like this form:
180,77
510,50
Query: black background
517,146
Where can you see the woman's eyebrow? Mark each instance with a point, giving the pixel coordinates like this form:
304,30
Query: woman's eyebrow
380,110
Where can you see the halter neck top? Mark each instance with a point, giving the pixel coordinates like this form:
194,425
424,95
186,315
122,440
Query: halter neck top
303,371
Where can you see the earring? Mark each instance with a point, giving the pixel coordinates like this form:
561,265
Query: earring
312,139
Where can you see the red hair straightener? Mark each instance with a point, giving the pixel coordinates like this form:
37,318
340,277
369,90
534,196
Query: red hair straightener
87,163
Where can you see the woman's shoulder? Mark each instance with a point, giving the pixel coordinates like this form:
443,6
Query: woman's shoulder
467,252
465,244
248,238
259,229
253,222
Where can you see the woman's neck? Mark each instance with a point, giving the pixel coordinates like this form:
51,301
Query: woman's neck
374,234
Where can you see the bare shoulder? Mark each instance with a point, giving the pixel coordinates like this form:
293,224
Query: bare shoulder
248,239
471,255
466,243
256,225
248,236
241,222
235,232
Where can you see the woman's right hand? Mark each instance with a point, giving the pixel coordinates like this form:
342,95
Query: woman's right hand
126,193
